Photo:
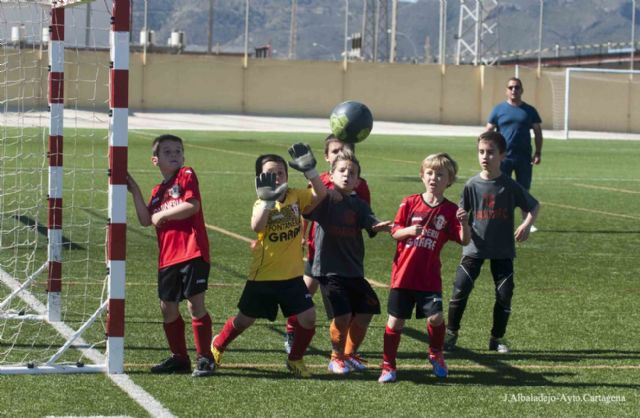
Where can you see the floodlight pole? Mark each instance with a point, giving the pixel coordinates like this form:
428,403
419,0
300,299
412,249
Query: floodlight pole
394,26
442,42
346,36
540,37
633,36
245,62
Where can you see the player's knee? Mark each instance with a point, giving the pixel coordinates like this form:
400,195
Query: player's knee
504,293
307,319
461,290
436,319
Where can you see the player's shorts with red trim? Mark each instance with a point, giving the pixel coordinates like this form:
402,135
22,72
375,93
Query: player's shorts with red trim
352,295
183,280
402,301
261,299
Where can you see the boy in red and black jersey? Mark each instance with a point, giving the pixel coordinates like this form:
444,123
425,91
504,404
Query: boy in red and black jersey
423,224
175,209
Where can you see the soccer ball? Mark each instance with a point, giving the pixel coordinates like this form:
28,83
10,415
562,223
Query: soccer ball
351,121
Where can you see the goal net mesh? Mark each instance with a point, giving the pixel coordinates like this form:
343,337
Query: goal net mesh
27,337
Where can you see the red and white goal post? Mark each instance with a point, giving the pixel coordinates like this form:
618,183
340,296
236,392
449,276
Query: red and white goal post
63,167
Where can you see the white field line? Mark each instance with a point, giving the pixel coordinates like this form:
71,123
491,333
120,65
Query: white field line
135,392
608,189
248,240
601,212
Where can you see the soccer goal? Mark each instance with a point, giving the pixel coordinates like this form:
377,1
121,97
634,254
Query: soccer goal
616,94
63,164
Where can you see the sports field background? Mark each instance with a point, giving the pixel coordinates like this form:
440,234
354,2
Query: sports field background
574,328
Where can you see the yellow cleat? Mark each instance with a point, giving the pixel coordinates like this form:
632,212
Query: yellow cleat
298,368
217,354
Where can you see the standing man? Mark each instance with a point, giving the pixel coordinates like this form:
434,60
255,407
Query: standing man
515,119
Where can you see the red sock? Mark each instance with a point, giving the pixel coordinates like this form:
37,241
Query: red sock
436,336
202,335
391,343
301,342
228,334
292,323
174,331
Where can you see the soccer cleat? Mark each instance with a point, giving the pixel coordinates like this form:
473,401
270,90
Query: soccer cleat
450,340
288,341
338,366
388,375
440,368
298,368
204,367
356,363
217,354
499,345
171,365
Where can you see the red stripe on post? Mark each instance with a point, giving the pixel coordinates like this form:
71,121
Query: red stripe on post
119,94
54,279
55,150
117,242
55,213
56,87
118,165
57,24
115,318
121,15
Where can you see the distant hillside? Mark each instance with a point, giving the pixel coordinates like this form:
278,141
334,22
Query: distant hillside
320,33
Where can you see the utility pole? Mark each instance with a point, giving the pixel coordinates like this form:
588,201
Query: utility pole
293,29
210,37
394,25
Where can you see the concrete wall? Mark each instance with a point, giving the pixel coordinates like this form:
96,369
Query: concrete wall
409,93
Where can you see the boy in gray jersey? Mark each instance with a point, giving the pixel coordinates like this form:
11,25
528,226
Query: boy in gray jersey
491,197
348,298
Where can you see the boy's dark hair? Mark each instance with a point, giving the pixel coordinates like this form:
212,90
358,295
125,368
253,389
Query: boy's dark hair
164,138
332,138
345,155
265,158
495,137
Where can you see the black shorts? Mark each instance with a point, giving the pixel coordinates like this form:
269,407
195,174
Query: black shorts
183,280
343,296
402,301
260,299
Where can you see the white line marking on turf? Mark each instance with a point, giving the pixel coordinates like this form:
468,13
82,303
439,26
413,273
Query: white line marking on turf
229,233
617,215
135,392
609,189
245,239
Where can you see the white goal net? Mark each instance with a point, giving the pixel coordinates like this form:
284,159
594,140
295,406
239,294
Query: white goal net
56,195
595,99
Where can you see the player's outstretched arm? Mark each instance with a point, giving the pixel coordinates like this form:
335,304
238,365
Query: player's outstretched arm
268,194
523,230
138,201
305,162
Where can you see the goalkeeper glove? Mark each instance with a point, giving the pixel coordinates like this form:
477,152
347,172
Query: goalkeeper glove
267,191
303,160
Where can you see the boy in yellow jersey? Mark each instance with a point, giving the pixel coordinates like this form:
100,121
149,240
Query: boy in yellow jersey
275,278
